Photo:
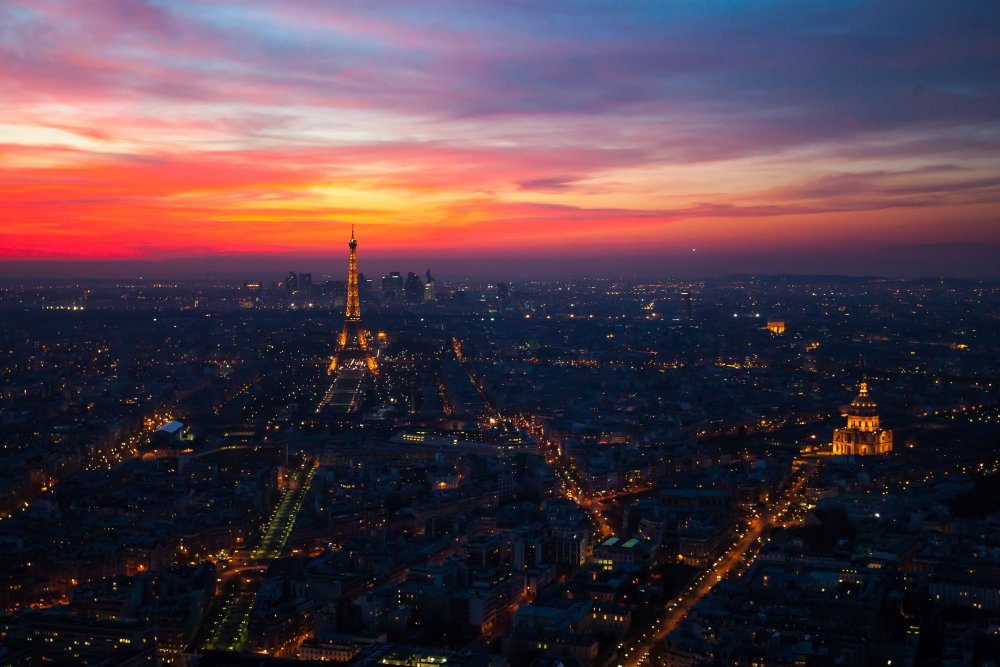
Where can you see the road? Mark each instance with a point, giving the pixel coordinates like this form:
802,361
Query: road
228,631
678,608
569,484
279,526
344,393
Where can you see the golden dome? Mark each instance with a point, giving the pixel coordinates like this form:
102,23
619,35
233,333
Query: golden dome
863,400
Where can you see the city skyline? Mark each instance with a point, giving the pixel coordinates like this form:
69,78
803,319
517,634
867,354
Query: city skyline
228,472
494,333
490,140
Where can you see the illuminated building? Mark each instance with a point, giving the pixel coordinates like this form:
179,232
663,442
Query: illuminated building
338,648
498,440
353,343
611,619
862,436
430,288
777,327
614,553
404,657
59,638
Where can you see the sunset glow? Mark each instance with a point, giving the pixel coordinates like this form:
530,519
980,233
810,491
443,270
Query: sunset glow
160,130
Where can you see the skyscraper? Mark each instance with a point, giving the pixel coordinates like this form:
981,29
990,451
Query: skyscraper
414,288
353,342
392,285
364,285
430,288
503,295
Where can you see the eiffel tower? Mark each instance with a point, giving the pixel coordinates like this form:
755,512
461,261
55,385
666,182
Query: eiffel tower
353,342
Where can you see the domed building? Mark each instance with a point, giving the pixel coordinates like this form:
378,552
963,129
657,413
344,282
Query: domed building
862,436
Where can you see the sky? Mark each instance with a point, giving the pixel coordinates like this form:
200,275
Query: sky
484,137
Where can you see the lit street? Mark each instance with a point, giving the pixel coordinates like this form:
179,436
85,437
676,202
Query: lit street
228,630
703,583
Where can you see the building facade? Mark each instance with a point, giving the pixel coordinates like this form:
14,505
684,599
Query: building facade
863,436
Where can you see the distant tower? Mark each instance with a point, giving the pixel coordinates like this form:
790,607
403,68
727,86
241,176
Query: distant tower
430,288
364,285
392,285
503,295
353,339
862,436
686,305
414,288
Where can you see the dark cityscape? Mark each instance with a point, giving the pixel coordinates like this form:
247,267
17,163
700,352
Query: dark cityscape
476,333
402,472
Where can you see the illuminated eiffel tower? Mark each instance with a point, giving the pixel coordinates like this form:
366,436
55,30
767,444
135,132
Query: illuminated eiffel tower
353,343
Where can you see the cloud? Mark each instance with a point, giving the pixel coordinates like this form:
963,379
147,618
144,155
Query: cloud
261,126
